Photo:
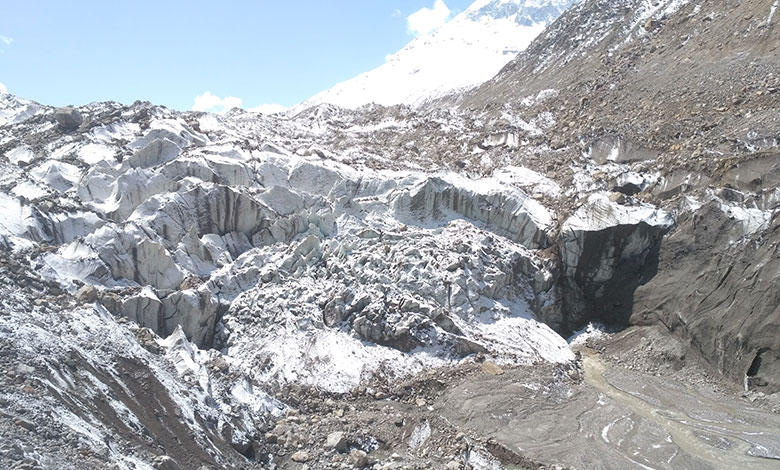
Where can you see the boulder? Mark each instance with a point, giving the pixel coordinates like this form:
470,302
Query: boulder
300,456
337,441
357,458
163,462
87,294
68,118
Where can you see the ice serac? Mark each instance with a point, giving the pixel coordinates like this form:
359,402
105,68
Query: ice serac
607,250
508,212
154,153
216,237
464,52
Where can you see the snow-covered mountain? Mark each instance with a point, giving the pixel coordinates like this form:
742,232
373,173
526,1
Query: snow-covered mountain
462,53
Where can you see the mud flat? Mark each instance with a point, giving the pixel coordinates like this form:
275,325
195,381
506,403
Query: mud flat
618,416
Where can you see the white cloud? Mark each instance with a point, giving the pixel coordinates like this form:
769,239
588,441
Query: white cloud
425,20
3,89
215,104
6,40
268,109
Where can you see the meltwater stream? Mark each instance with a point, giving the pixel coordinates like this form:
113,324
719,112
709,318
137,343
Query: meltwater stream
726,437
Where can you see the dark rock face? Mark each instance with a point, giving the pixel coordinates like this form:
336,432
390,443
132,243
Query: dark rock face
720,293
602,269
69,119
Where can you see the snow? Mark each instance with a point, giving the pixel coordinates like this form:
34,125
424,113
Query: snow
331,360
57,175
482,461
593,331
259,402
14,215
29,190
94,153
518,337
600,213
15,110
653,9
772,11
121,130
751,219
21,155
462,53
527,178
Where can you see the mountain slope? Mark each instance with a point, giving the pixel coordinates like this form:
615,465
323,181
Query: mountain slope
688,92
460,54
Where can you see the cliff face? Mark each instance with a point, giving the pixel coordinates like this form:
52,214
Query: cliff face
720,294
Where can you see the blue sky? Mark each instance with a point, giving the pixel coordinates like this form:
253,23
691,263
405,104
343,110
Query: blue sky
170,52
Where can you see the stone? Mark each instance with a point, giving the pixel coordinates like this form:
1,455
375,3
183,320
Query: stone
163,462
26,424
491,368
300,456
68,118
337,441
357,458
87,294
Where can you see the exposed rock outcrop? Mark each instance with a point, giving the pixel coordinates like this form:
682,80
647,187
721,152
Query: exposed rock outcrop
68,118
719,287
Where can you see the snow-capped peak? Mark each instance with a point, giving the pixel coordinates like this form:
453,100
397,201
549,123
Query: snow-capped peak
524,12
463,53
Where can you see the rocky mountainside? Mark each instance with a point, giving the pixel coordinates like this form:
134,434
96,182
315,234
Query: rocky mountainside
687,92
395,287
483,38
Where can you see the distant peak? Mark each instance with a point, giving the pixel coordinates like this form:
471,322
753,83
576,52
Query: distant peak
525,12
